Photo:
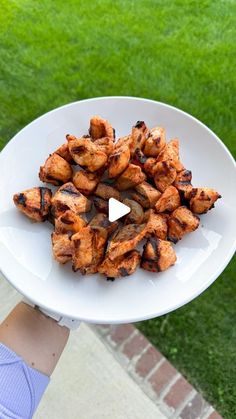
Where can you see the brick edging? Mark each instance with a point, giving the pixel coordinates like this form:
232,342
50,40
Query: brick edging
157,377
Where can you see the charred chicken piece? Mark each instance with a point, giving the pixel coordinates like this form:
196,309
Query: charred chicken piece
150,211
144,202
35,202
169,200
147,215
155,142
165,174
158,255
131,177
180,222
86,182
101,220
118,161
63,151
100,128
99,247
139,135
126,239
69,223
62,247
68,197
89,249
106,192
121,266
56,170
83,248
171,152
183,183
139,158
157,224
150,193
136,214
149,166
101,205
124,141
105,144
86,153
203,199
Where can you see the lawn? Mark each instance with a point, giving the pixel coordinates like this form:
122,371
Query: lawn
179,52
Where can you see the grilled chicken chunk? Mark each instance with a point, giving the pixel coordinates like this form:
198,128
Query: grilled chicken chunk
100,128
86,153
69,223
203,199
165,174
139,135
99,247
35,202
118,161
155,142
101,205
169,200
64,152
56,170
105,144
89,249
139,158
183,183
86,182
121,266
106,192
156,224
68,197
150,194
140,199
158,255
62,247
136,214
124,141
131,177
83,248
180,222
101,220
149,166
171,152
126,239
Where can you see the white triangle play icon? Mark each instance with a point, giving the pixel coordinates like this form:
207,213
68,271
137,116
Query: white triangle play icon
116,209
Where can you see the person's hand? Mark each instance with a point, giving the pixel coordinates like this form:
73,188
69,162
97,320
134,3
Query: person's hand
71,324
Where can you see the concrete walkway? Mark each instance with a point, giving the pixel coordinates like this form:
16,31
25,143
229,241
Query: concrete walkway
89,383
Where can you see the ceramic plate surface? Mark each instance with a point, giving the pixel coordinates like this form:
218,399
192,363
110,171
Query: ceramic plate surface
25,248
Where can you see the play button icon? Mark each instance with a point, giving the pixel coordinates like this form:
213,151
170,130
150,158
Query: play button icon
116,209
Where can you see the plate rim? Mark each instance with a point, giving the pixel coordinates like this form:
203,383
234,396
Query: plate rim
186,300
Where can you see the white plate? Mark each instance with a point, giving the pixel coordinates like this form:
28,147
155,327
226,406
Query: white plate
25,249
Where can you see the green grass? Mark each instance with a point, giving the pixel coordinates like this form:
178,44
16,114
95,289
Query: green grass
179,52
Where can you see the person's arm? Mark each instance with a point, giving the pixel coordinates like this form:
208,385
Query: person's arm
30,346
38,339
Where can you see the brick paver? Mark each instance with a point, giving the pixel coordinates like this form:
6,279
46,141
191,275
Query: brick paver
120,333
148,361
195,409
135,346
162,377
214,415
178,392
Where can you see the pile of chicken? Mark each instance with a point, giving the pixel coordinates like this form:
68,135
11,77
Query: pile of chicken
143,171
